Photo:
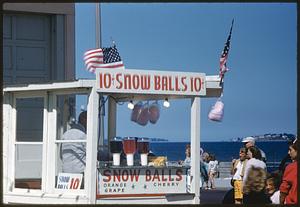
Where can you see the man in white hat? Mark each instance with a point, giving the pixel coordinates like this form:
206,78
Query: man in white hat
250,141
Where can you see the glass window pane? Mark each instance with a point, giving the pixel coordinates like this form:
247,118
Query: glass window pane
29,119
28,172
28,156
71,126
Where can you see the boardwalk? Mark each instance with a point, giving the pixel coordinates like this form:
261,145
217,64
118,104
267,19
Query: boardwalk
212,196
215,196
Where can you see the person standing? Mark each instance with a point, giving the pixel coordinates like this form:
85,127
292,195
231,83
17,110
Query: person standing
187,160
212,170
288,187
254,187
238,170
205,160
74,153
285,161
203,172
250,142
254,156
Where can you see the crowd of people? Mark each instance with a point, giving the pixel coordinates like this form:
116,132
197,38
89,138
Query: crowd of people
251,182
209,167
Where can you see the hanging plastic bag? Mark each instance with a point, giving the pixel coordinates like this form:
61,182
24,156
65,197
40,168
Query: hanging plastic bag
143,115
154,112
135,111
217,111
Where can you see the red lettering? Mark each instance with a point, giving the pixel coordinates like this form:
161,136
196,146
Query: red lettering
136,81
156,176
127,80
118,76
148,175
156,82
163,176
145,83
177,84
164,83
179,175
125,175
107,80
74,183
192,84
183,79
197,84
170,84
170,175
100,80
117,175
107,174
134,175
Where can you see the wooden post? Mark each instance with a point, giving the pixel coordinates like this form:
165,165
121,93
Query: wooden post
91,147
195,149
112,117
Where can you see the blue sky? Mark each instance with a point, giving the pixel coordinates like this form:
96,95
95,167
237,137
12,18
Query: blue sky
260,88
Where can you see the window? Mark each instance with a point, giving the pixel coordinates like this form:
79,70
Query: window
29,142
70,141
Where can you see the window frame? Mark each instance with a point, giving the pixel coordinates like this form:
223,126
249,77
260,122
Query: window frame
12,142
53,141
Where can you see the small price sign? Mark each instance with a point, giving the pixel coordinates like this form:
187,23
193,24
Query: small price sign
69,181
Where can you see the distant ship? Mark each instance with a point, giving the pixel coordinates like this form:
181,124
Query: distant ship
269,137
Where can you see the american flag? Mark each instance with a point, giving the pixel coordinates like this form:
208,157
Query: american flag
224,56
103,58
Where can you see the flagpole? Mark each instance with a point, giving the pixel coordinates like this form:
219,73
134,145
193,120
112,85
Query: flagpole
101,102
98,26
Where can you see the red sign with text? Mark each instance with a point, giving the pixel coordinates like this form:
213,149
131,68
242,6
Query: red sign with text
142,181
150,82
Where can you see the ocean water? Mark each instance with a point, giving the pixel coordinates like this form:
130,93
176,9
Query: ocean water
224,151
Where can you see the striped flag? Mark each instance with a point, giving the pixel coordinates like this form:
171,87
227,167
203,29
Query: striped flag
224,56
103,58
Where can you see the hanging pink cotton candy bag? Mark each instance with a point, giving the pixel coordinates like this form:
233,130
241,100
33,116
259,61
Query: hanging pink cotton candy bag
154,112
143,115
135,111
217,111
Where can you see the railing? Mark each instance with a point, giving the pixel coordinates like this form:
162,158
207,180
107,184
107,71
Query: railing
225,167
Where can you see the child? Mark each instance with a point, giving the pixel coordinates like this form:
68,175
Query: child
212,170
204,170
272,187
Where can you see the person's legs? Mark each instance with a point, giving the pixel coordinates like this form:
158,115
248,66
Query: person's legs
213,180
238,191
205,177
210,179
